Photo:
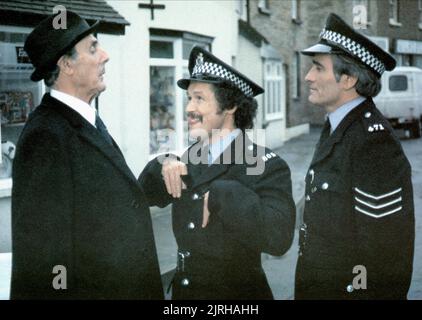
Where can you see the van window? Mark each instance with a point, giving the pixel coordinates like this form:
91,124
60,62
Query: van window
398,83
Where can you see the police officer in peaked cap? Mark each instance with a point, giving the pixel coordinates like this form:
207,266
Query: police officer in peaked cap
224,217
357,237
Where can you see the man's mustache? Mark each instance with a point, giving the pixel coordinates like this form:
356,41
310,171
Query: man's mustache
194,116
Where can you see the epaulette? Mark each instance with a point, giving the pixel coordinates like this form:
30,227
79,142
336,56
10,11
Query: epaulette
266,154
372,123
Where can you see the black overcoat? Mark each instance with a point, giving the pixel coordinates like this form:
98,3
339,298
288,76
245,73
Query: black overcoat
75,203
359,214
250,214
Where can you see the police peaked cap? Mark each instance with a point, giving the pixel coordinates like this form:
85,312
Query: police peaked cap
339,38
205,67
46,44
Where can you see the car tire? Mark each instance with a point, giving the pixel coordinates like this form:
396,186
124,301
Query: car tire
416,129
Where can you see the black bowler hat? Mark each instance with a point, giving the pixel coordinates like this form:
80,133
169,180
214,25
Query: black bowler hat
205,67
339,38
45,44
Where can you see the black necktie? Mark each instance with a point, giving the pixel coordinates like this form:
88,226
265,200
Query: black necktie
102,129
325,132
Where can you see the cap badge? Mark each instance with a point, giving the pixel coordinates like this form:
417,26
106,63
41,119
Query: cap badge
200,59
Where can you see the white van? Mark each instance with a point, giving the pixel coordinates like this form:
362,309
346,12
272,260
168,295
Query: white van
400,99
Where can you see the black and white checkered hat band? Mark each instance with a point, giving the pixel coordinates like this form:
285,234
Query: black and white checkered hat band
219,71
354,48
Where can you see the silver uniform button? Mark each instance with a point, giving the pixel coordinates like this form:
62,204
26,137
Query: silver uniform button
191,226
187,254
195,196
308,198
312,174
367,115
185,282
324,186
349,288
314,189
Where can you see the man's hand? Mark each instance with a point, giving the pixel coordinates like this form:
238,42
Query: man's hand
172,171
206,214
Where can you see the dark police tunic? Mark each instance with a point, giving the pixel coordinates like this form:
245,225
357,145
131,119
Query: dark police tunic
250,214
359,213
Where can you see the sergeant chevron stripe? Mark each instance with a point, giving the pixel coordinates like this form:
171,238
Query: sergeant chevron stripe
370,204
378,206
378,215
378,197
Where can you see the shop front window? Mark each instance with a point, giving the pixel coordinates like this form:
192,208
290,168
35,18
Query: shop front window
162,109
18,94
274,93
169,57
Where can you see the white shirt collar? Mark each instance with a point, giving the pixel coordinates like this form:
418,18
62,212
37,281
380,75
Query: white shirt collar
217,148
84,109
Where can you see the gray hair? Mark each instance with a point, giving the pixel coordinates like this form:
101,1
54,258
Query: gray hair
51,76
367,85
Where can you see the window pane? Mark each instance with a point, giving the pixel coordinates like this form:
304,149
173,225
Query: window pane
398,83
161,49
18,95
269,94
189,44
294,77
162,110
267,97
394,10
297,79
295,9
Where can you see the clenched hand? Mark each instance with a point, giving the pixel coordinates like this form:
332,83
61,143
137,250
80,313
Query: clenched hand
172,171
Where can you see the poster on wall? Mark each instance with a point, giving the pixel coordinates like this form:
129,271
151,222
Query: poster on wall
15,106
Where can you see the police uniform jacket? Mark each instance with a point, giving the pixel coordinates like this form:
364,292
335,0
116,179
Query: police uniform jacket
358,233
76,204
249,214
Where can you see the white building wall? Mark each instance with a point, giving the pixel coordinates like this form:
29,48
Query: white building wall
275,134
249,62
124,106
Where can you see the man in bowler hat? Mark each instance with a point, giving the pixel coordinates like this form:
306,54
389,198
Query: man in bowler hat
357,238
224,215
81,227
